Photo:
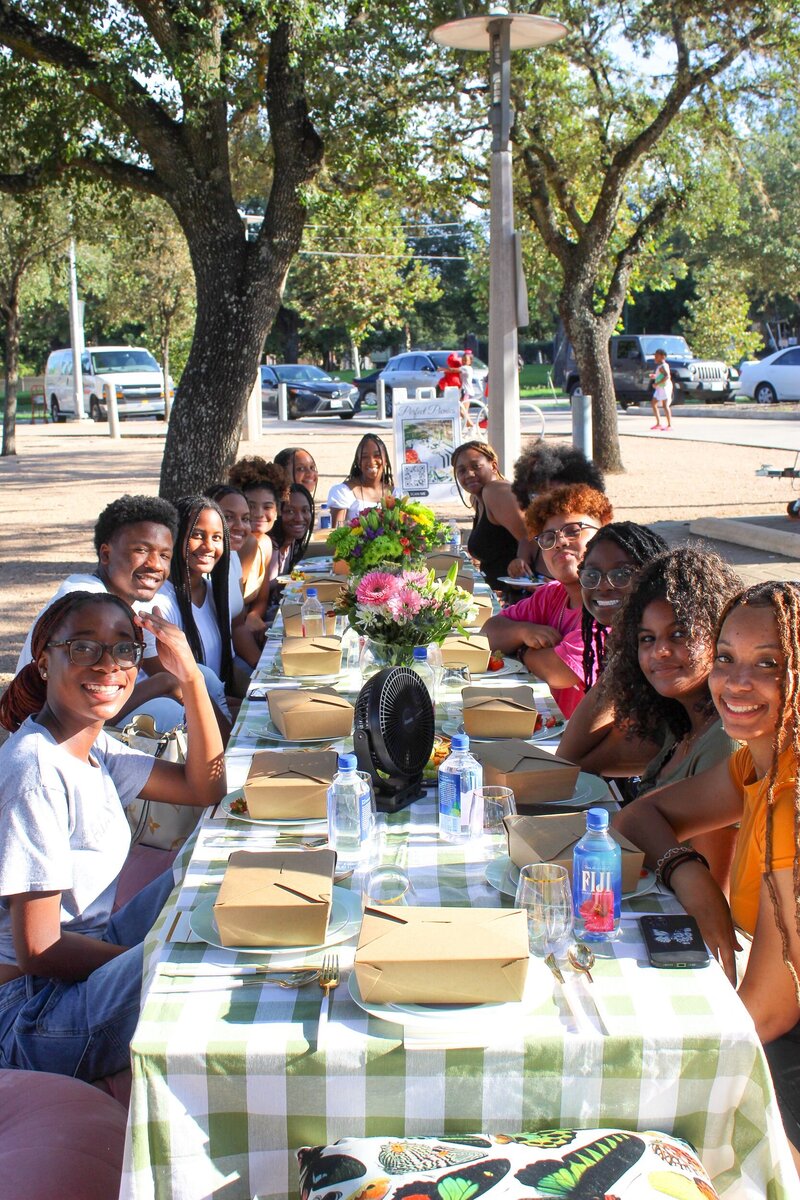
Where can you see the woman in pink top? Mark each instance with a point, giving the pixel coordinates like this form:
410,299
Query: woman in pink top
544,629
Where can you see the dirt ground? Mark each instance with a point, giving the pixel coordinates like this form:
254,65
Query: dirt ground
63,476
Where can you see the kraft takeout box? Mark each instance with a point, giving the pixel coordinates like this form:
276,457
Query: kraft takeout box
499,712
552,838
472,652
293,620
275,898
310,713
311,656
535,776
441,561
463,580
328,587
289,785
442,955
485,610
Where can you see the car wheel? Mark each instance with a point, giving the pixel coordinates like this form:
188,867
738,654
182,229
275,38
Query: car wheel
56,413
346,416
575,391
764,393
95,411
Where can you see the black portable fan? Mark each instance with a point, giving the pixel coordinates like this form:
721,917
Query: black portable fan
393,735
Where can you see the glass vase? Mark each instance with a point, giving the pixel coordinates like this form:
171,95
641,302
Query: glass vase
377,655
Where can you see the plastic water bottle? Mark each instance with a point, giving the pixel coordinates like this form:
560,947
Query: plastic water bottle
597,880
460,776
324,517
455,537
425,671
351,821
312,616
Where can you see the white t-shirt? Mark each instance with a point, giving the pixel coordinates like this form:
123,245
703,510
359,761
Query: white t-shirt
87,583
205,618
342,495
235,595
63,827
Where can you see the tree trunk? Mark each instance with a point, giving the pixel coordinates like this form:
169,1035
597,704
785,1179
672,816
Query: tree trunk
11,378
355,357
589,335
288,323
407,335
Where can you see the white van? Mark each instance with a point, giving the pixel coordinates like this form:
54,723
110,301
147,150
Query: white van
131,370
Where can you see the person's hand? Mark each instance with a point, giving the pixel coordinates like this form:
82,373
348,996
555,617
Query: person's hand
539,637
254,623
701,896
519,569
173,649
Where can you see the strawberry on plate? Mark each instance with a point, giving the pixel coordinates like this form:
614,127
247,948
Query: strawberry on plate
496,662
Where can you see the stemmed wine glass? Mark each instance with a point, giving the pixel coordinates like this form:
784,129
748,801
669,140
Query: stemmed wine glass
544,892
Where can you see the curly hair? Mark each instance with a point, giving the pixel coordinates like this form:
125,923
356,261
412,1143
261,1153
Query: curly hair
355,469
569,498
27,692
783,598
189,509
134,510
544,465
641,545
697,583
254,472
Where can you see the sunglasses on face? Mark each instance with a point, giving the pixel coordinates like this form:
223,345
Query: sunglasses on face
86,652
618,577
570,533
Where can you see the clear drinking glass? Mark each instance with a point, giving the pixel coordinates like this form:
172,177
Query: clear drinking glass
386,885
497,802
454,678
544,892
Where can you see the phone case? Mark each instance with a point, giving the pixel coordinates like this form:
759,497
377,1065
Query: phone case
674,941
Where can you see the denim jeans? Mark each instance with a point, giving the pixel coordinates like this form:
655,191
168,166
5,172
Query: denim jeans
83,1028
783,1056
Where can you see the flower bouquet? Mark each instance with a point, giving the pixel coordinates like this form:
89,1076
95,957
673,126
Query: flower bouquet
395,531
399,609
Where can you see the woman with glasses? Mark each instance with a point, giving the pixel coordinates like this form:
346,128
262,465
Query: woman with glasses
536,629
70,972
370,479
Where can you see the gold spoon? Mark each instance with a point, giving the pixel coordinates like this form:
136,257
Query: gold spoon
582,959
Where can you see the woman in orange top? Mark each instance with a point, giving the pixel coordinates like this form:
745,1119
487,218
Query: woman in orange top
755,686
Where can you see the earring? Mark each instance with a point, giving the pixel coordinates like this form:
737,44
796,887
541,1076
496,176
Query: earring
43,673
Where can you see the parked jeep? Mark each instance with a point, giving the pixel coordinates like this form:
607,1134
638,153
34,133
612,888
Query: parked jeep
632,364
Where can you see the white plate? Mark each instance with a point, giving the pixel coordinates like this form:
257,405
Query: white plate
503,875
344,921
522,582
312,822
285,579
414,1014
541,735
510,667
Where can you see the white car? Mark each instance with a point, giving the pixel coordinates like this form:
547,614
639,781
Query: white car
774,378
131,371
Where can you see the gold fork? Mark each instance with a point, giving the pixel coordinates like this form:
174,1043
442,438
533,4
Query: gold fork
328,980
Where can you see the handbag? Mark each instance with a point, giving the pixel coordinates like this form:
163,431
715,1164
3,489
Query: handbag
154,822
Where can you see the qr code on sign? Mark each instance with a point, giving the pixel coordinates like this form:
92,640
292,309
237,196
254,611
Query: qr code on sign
415,476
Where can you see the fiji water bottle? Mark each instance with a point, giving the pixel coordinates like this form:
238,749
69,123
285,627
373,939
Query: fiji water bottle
425,671
460,777
324,517
350,817
596,880
312,616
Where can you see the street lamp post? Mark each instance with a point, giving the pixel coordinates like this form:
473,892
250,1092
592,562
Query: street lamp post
499,33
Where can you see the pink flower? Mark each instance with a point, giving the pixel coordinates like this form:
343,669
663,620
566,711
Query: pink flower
376,587
406,603
415,577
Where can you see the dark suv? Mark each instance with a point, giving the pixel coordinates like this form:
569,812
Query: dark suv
632,363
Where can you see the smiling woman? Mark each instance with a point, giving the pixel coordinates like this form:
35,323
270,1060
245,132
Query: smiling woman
70,973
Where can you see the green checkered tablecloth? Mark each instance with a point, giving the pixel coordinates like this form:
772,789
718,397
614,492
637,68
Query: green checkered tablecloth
229,1079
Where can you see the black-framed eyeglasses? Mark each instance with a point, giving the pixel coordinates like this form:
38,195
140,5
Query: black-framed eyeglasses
86,652
618,577
569,532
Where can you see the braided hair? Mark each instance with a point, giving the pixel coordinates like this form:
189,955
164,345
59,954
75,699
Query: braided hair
784,600
697,583
387,481
27,692
641,545
189,510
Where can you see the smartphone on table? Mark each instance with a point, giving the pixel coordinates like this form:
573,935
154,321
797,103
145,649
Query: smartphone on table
674,941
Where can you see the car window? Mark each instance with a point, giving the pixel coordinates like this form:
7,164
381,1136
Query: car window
299,373
268,376
112,362
628,350
86,364
670,343
790,359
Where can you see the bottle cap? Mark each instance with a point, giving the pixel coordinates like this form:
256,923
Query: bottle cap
459,741
597,818
347,762
421,652
324,507
310,592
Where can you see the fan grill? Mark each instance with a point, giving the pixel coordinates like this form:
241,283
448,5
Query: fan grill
394,726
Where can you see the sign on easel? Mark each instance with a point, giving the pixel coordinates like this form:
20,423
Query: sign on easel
426,432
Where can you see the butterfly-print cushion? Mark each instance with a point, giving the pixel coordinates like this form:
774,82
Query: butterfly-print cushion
573,1164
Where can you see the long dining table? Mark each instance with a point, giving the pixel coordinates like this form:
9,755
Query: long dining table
231,1075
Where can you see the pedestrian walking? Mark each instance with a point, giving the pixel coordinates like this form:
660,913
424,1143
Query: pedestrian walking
662,390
